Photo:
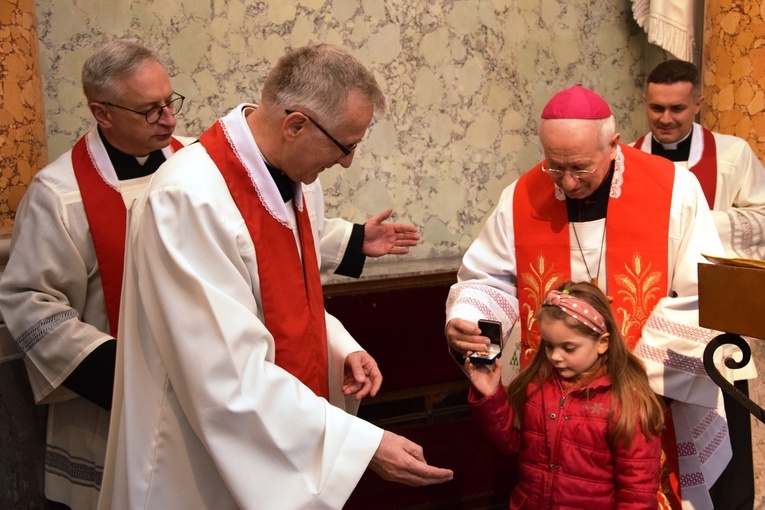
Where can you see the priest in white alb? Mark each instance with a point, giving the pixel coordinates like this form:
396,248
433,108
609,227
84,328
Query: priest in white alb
232,379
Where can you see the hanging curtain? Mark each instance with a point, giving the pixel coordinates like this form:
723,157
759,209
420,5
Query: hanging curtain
669,25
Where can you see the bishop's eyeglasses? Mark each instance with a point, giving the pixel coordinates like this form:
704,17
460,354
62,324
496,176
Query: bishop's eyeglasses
576,174
154,114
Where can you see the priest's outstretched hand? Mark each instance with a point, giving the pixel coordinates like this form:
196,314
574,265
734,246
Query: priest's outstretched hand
398,459
387,238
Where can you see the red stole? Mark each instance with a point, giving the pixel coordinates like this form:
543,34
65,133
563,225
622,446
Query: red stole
107,220
706,168
291,294
637,237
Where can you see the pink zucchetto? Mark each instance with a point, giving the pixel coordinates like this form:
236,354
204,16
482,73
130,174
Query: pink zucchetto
576,103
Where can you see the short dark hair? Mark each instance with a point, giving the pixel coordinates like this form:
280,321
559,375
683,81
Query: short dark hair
673,71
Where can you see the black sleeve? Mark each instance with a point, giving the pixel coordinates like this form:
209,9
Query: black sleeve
353,259
93,378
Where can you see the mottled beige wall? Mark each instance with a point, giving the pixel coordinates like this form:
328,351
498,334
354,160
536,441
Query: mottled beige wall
733,65
465,80
22,116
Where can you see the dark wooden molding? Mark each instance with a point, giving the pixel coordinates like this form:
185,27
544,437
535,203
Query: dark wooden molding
387,284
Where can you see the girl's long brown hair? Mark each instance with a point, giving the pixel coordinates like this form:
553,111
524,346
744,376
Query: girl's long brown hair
631,395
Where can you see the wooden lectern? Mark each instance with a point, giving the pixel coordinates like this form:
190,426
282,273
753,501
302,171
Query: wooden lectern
731,300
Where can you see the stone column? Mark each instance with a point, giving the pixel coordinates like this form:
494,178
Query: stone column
22,153
22,115
733,63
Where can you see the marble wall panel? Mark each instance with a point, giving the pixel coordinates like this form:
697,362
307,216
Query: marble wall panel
465,82
23,148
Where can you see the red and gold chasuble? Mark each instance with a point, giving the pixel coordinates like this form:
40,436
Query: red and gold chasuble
706,168
107,220
637,236
292,299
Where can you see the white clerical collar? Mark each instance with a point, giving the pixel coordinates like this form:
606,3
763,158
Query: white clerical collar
673,146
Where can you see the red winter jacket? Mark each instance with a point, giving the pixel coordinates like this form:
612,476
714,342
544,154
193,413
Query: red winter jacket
565,460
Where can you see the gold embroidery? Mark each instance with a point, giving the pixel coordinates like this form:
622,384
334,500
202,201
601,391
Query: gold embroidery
535,284
638,289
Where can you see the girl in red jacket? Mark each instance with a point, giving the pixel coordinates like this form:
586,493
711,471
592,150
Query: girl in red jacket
581,415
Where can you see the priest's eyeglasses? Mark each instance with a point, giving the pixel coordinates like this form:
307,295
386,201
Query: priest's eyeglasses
154,114
576,174
346,150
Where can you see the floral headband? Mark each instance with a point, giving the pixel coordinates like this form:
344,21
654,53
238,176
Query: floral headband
578,309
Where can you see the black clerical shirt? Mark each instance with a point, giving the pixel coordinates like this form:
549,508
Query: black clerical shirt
593,207
127,166
681,153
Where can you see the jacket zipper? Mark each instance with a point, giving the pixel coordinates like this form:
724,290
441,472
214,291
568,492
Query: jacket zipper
553,467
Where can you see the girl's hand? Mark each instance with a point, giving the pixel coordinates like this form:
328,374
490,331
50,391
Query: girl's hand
485,378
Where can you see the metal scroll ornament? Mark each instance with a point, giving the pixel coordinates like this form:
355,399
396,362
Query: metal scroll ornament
716,376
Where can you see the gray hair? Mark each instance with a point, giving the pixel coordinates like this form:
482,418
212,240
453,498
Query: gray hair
606,129
319,79
118,59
